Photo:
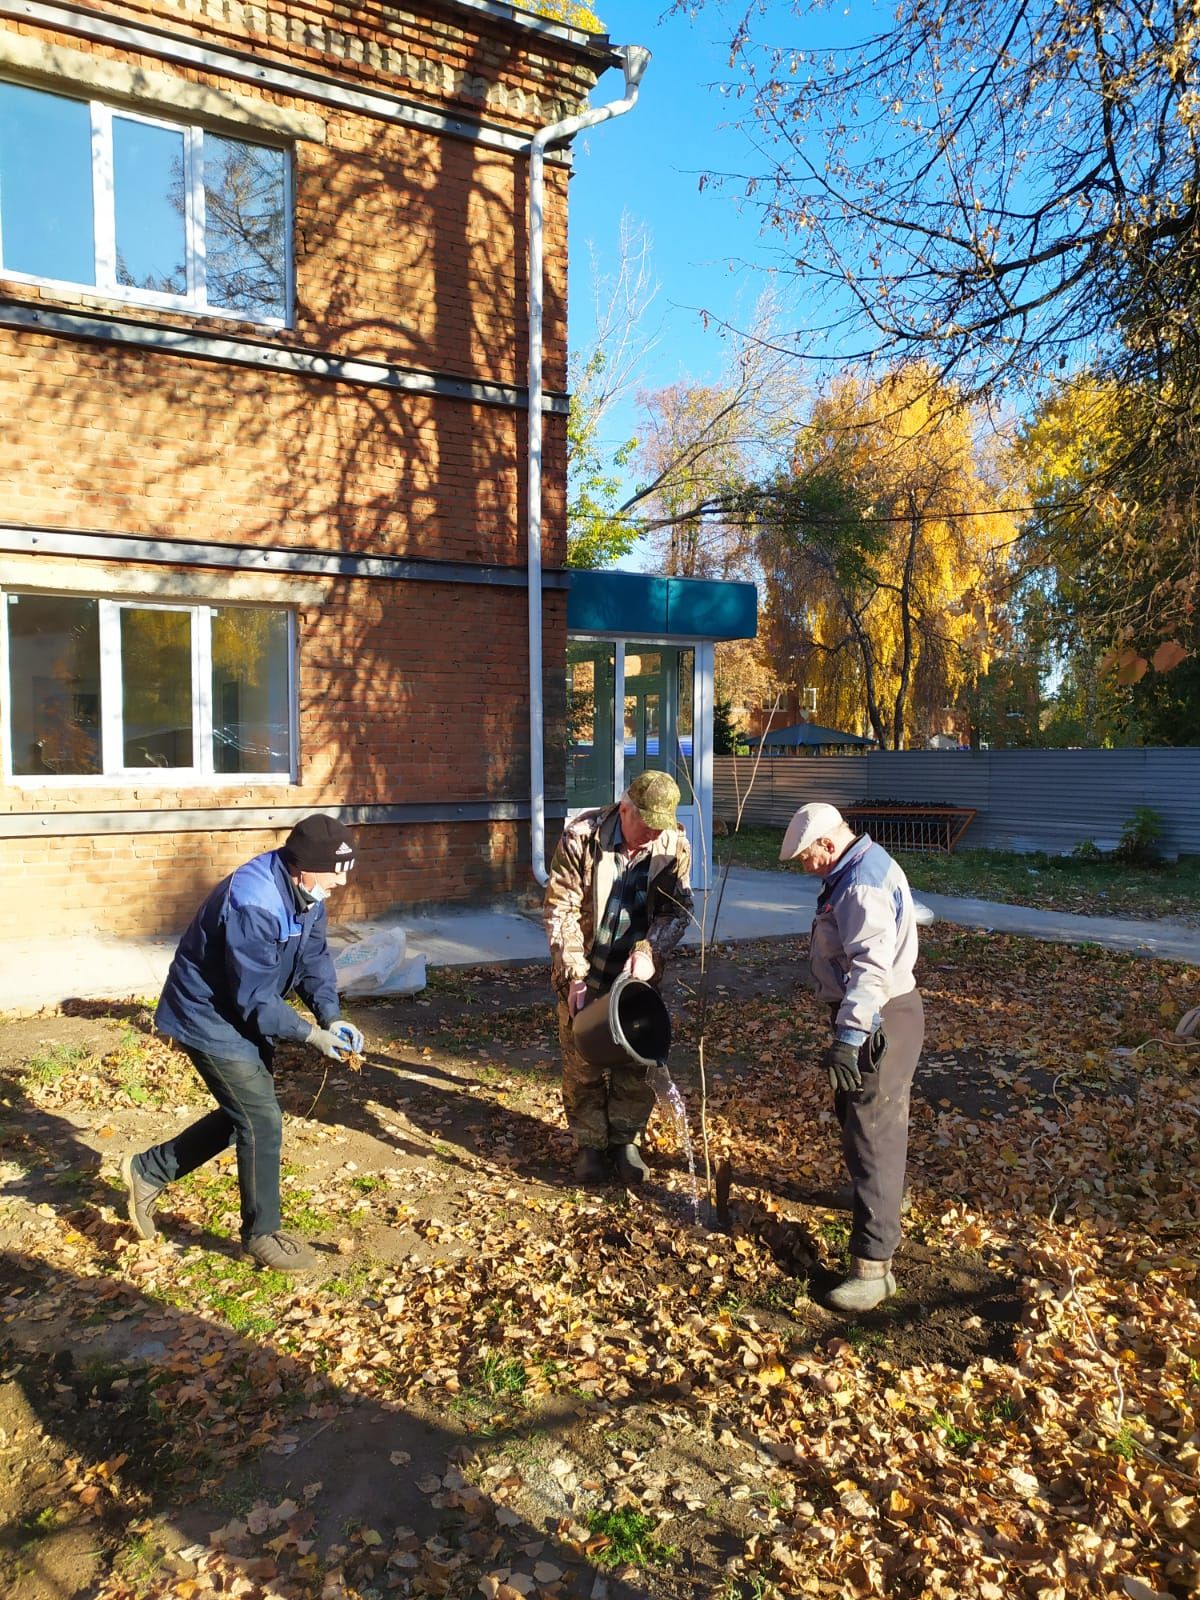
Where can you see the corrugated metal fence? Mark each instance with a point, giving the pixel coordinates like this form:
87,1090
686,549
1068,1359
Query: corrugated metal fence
1027,800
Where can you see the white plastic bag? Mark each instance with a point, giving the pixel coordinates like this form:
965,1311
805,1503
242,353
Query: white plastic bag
376,963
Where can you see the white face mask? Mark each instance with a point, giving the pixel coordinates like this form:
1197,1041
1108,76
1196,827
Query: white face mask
318,892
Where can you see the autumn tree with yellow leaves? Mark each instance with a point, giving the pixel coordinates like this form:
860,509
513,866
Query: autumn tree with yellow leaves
1010,190
881,552
1112,548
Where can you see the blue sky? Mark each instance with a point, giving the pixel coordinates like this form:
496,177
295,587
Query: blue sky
648,163
708,253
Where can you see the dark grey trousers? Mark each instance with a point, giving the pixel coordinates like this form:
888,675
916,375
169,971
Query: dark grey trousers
874,1123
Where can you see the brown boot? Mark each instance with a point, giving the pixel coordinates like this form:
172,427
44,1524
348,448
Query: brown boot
870,1283
141,1198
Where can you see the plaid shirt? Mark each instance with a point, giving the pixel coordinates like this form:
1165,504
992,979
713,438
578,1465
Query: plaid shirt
626,919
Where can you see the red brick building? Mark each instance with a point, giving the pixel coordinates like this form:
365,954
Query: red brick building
263,311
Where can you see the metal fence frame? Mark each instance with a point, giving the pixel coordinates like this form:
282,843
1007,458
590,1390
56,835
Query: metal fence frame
1025,800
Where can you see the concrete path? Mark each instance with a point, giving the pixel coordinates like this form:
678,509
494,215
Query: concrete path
755,905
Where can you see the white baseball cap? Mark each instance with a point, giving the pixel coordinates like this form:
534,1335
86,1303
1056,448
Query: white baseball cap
815,821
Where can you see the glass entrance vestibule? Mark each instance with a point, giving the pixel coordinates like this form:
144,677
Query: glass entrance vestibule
638,700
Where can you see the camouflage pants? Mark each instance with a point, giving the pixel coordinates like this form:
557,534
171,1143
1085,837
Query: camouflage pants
604,1105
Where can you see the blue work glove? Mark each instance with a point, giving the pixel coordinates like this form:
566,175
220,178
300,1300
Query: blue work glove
841,1062
328,1043
348,1032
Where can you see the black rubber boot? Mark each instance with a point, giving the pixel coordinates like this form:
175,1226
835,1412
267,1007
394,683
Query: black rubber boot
627,1159
592,1166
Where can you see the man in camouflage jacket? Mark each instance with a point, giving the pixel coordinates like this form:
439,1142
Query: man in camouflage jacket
619,900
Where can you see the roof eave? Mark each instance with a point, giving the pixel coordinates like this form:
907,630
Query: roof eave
595,48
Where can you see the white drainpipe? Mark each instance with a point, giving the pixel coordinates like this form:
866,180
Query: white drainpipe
634,58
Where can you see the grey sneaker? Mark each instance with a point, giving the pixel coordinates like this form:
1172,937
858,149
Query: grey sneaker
870,1283
629,1164
141,1198
281,1252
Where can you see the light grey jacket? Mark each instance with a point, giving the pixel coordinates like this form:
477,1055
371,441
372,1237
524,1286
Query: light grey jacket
863,945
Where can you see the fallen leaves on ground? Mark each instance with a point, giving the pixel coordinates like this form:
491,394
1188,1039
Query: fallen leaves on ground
499,1384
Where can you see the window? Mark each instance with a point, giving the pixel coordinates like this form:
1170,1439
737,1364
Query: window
112,687
659,713
141,208
590,750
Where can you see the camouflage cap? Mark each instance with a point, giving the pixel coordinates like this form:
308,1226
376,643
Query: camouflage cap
654,796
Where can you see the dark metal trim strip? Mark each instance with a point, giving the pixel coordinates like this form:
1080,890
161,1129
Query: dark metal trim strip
251,558
275,358
230,819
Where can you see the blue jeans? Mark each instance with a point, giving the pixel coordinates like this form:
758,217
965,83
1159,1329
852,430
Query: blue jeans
249,1118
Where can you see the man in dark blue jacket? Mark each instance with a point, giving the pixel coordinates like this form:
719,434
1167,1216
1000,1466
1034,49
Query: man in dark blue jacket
259,936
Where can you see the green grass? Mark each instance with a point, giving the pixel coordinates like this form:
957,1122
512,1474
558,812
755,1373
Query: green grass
500,1378
865,1340
1005,1409
53,1064
631,1539
39,1525
300,1215
1053,883
368,1182
351,1283
498,1383
240,1293
785,1296
957,1438
139,1561
835,1231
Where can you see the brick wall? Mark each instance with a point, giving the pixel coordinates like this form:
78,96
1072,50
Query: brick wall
410,246
131,442
409,249
150,884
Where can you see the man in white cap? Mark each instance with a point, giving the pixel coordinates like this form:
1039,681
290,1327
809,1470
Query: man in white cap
862,952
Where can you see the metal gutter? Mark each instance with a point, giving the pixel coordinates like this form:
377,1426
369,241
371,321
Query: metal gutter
634,60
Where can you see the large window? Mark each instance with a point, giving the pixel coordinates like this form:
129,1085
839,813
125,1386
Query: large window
112,687
141,208
590,746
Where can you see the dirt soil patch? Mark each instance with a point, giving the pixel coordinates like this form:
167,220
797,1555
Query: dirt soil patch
501,1384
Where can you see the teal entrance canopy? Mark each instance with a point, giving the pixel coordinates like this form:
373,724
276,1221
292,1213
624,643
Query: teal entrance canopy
661,608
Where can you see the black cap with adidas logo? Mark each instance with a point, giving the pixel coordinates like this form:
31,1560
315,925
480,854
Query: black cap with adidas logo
318,844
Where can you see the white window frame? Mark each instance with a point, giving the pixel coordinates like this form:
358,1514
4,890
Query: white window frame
695,818
112,733
104,218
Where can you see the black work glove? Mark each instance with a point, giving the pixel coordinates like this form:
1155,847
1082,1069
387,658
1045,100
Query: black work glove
841,1062
876,1049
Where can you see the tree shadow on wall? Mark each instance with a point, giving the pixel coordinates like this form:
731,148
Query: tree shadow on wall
410,249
